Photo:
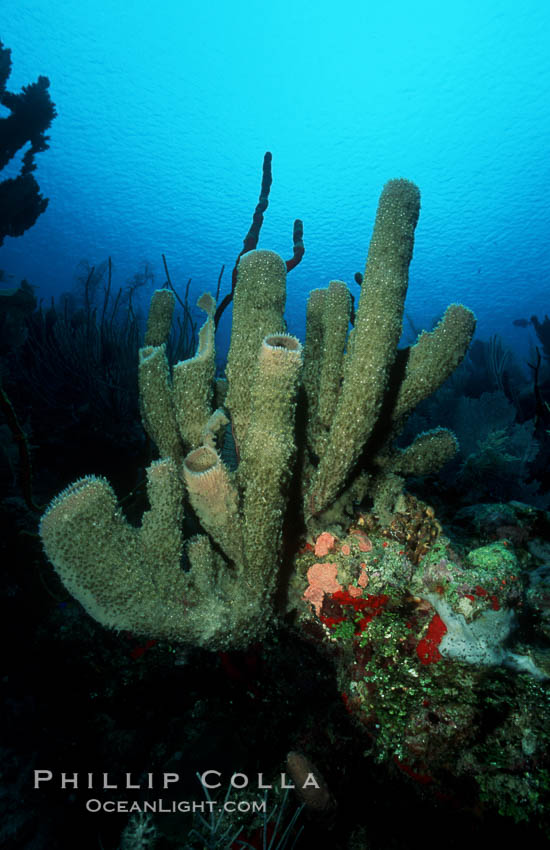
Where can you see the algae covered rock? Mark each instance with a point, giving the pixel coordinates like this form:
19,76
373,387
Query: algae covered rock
425,651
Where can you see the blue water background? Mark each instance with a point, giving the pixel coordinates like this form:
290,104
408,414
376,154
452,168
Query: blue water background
166,109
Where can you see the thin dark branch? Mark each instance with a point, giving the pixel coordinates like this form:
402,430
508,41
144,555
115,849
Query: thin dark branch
298,245
251,239
107,292
219,282
171,285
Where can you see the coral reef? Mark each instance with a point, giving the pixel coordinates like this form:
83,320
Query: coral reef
355,396
400,645
424,640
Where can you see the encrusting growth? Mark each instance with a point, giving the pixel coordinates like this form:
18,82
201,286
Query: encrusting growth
353,394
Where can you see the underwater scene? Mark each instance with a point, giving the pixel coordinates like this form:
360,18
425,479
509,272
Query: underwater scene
274,425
